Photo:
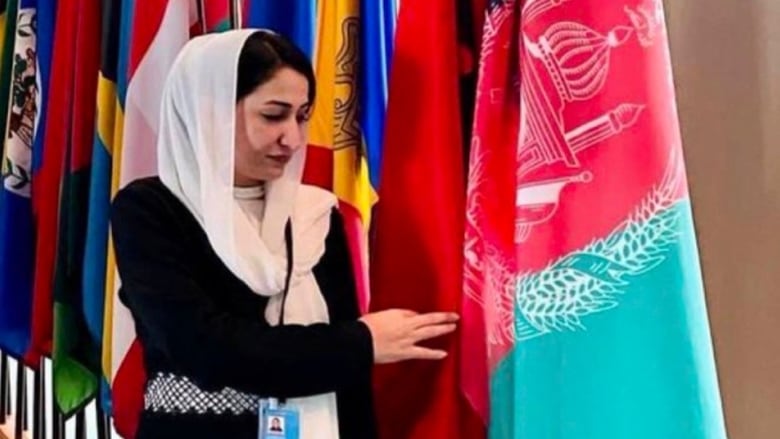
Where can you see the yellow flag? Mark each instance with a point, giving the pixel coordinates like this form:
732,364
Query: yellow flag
335,122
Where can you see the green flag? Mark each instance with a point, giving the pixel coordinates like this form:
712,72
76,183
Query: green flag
76,354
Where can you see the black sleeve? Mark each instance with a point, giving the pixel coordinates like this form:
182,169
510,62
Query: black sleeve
213,347
335,274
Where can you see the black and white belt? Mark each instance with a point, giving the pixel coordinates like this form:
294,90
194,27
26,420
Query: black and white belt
173,394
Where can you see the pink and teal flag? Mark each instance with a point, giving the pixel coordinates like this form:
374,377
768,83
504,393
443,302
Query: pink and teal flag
585,312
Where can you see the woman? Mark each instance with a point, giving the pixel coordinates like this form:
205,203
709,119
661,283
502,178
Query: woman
203,253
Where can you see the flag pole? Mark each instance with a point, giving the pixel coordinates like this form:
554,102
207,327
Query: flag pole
103,421
39,414
58,419
4,387
202,16
236,18
20,423
81,427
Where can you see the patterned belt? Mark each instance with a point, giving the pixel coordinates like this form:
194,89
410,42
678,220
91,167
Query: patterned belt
174,394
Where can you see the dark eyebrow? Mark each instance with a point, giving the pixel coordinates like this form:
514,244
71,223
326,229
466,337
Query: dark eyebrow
279,103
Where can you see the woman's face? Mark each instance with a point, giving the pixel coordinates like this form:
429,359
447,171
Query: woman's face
271,124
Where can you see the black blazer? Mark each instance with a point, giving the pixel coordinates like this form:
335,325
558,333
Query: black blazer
195,319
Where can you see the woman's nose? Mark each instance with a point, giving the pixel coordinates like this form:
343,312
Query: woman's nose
293,135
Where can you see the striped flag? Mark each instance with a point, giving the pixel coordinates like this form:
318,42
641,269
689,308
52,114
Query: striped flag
76,356
335,125
159,29
17,242
122,78
377,32
96,243
592,299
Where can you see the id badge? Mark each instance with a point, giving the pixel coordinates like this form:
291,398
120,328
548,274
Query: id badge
278,421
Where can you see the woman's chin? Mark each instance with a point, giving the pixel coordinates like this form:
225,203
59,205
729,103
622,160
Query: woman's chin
272,174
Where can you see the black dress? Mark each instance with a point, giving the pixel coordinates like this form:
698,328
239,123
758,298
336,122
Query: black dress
208,351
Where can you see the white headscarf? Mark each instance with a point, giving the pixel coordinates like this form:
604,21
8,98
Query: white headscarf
196,162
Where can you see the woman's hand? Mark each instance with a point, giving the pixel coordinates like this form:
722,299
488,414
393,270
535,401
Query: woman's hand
396,332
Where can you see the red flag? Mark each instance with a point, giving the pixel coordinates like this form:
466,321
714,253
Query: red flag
419,222
478,12
46,187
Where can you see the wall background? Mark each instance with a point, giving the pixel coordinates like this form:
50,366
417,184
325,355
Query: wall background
726,56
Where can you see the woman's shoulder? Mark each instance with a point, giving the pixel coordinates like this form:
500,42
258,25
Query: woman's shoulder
146,193
147,200
143,189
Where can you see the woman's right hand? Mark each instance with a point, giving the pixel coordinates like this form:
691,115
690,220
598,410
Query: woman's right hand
396,332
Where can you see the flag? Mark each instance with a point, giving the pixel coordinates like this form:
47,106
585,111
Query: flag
122,78
3,25
593,305
335,127
46,181
76,356
217,14
45,16
417,253
478,13
377,30
468,53
159,29
489,258
17,243
9,15
295,20
96,241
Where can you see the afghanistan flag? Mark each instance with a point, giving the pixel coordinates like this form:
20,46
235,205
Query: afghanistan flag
590,301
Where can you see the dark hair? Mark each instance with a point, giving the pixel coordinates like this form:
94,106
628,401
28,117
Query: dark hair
263,54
